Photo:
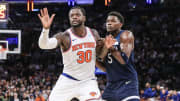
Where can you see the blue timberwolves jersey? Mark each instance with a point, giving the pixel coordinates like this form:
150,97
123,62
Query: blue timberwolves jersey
120,72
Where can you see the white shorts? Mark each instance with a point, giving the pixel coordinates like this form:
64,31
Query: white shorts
66,89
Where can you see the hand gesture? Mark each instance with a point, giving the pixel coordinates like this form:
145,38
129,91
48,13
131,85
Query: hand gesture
44,17
109,41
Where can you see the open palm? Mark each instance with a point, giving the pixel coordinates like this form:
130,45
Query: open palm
109,41
45,19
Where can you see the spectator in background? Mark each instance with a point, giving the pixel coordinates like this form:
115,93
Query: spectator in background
1,95
16,97
39,97
163,95
158,90
170,95
142,96
175,96
31,98
148,91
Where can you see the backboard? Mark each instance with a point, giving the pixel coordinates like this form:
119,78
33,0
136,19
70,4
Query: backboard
13,38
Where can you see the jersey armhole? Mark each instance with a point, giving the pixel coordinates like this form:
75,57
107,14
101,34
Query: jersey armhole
92,34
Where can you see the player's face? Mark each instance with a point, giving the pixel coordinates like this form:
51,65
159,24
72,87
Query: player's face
76,17
113,23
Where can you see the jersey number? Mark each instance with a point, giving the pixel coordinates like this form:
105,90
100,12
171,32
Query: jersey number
109,58
84,56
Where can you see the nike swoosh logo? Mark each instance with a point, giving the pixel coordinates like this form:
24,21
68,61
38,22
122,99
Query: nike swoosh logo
127,82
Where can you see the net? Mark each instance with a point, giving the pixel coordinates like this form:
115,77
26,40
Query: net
3,54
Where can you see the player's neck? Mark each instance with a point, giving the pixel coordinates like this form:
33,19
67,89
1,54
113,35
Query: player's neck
79,31
115,33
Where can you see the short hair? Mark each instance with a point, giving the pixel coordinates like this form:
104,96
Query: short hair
78,7
117,14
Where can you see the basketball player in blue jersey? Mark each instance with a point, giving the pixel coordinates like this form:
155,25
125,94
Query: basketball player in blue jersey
117,59
78,45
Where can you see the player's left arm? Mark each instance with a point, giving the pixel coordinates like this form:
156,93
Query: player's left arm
127,42
99,46
99,41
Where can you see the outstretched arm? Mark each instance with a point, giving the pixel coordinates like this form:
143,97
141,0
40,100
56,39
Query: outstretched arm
44,41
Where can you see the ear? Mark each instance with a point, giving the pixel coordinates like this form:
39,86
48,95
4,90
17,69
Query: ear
120,25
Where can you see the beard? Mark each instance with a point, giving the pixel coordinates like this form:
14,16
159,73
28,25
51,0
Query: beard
112,31
76,25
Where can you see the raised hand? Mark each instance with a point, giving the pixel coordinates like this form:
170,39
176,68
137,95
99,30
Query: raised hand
45,19
109,41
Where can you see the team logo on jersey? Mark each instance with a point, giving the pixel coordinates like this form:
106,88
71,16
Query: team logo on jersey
83,45
93,94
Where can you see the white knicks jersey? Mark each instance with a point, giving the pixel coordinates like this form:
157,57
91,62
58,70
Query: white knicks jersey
79,60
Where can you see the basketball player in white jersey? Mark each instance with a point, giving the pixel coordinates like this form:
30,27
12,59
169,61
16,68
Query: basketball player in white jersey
78,49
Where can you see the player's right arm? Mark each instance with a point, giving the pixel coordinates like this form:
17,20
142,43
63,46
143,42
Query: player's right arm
44,41
102,50
62,38
108,44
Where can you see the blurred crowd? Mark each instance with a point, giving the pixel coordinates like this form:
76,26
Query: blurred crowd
30,76
158,93
21,82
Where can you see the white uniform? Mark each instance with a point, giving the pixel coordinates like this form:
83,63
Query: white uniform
79,65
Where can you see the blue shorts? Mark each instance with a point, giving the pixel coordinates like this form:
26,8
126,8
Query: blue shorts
121,91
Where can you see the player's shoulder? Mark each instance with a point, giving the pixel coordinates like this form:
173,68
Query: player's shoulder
62,37
127,33
66,33
95,33
62,34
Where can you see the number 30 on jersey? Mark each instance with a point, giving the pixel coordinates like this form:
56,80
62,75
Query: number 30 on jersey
84,56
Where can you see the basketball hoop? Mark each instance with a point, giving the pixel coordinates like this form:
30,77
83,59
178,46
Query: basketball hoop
3,53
